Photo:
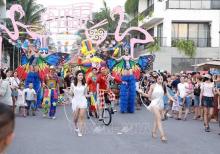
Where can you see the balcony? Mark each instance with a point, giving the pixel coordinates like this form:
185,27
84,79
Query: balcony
199,42
193,4
147,12
149,16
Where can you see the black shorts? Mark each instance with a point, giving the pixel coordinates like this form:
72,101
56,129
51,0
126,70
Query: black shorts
61,90
208,101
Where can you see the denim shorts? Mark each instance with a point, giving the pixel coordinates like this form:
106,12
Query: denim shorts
196,101
166,103
187,101
208,101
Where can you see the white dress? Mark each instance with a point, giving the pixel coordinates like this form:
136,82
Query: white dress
79,100
157,98
21,98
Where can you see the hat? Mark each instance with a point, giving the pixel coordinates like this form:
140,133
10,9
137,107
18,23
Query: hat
207,76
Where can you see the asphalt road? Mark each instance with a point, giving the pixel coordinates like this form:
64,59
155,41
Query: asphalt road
128,134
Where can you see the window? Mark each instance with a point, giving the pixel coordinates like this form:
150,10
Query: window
160,34
197,32
193,4
150,2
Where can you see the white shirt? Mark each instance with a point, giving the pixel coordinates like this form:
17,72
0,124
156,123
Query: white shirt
207,89
15,82
30,93
182,89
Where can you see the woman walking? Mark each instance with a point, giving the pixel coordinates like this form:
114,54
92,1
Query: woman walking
207,100
79,102
197,90
156,106
5,90
14,87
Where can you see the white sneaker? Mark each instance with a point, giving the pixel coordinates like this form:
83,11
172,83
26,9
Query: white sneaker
77,130
169,116
53,118
79,134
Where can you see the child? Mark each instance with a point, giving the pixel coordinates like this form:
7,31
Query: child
7,123
21,103
46,100
30,98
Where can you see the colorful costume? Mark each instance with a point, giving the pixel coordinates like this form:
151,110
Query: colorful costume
51,94
127,93
103,88
126,72
33,77
92,82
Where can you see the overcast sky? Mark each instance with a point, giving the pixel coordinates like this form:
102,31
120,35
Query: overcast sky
97,3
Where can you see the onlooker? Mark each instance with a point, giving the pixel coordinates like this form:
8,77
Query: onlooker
197,91
30,98
5,90
207,100
67,80
7,123
14,87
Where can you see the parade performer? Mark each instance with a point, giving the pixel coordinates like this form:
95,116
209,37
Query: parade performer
91,81
126,71
33,77
31,55
156,106
102,88
51,93
79,102
127,92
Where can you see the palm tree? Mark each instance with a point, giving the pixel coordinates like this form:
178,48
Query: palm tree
33,12
131,8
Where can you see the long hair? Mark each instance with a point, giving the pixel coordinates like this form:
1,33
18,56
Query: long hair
76,80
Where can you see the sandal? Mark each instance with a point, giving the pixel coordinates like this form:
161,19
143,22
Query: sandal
154,135
163,139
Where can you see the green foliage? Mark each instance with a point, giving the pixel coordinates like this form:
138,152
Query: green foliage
131,7
187,47
153,46
33,12
104,14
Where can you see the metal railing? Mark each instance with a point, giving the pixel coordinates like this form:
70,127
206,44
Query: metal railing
199,42
193,4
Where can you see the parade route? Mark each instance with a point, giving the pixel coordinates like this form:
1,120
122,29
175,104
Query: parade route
128,134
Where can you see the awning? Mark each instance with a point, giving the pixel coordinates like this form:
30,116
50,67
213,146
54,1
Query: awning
214,63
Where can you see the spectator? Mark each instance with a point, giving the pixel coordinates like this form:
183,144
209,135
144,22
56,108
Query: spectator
5,90
7,122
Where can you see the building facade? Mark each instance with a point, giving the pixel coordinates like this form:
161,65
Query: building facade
173,20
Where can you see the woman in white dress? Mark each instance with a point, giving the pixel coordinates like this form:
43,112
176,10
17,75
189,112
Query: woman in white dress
156,106
79,101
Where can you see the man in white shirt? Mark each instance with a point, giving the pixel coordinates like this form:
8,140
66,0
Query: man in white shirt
181,92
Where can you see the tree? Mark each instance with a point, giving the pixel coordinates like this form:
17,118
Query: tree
33,12
104,14
131,7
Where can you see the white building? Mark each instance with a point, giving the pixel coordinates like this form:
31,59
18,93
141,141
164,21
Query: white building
171,20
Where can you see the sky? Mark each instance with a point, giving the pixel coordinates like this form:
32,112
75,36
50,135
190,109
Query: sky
97,3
